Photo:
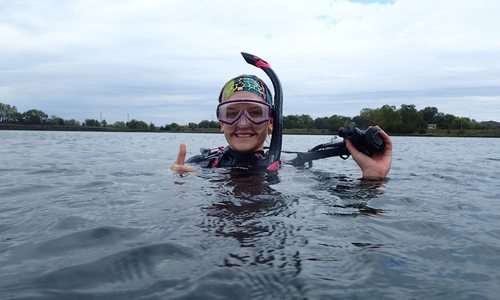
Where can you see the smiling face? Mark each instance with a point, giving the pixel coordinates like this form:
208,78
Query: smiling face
244,136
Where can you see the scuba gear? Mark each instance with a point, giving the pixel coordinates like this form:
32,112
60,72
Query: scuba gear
228,158
229,112
367,141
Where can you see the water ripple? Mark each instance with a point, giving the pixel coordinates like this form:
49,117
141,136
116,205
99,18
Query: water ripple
75,241
136,265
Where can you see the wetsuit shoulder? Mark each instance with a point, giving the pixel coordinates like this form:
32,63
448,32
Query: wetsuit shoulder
195,159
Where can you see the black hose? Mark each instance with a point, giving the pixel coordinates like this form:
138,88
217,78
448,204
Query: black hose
274,152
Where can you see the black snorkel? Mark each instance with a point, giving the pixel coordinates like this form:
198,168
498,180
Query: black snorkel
272,162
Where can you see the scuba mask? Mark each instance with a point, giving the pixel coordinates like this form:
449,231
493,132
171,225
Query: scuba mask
230,112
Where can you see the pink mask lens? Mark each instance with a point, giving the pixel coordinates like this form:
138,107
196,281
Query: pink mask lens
257,112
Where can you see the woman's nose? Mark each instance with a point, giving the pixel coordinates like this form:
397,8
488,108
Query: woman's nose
243,121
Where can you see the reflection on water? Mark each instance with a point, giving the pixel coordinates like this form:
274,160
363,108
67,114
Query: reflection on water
266,223
244,184
247,208
350,196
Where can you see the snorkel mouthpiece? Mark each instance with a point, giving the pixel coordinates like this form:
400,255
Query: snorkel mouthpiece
272,161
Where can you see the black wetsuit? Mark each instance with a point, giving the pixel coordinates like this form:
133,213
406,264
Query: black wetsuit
228,158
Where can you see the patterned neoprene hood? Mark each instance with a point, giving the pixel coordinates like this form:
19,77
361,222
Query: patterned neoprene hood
248,83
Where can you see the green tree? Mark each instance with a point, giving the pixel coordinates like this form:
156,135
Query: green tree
461,123
306,121
16,118
55,120
208,124
429,114
204,124
119,125
137,125
444,121
173,127
335,122
388,118
410,118
72,122
34,117
475,125
92,123
9,114
332,123
152,126
365,118
290,122
104,123
321,123
298,122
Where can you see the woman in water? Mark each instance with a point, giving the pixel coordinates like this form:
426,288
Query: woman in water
245,116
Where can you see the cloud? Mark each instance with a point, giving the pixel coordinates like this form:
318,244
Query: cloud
165,61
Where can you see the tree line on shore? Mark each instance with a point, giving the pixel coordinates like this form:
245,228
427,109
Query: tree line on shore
405,120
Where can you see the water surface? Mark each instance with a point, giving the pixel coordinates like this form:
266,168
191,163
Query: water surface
97,215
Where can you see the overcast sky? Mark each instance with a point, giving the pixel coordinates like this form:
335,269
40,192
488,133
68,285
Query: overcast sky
166,61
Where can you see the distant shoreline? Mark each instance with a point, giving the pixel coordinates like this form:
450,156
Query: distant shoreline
494,132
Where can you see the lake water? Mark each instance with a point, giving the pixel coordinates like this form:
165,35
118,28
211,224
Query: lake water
89,215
